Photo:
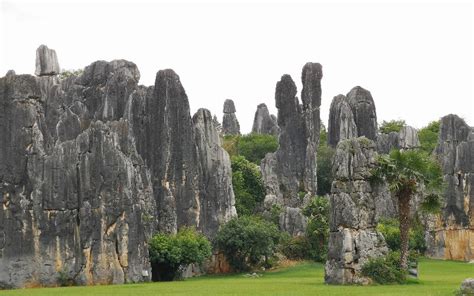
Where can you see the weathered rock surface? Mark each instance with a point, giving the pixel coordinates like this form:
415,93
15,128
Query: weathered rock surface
451,235
216,194
406,139
363,108
341,124
46,62
352,116
91,166
289,174
230,124
467,287
353,238
264,123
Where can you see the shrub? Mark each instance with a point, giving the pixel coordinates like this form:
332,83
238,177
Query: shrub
63,279
385,270
429,136
324,163
295,248
391,232
248,241
253,147
247,184
391,126
317,230
169,253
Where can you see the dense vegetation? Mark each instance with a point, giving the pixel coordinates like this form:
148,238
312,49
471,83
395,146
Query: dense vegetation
169,253
428,136
390,228
387,127
247,184
324,163
248,242
385,270
253,147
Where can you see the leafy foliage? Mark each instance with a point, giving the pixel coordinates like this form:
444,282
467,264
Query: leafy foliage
68,73
247,240
406,173
391,126
253,147
171,252
428,136
317,230
324,163
295,248
385,270
390,228
247,184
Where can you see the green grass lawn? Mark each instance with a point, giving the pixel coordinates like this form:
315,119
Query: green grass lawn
436,278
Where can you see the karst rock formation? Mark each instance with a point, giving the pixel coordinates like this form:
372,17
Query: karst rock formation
451,234
230,124
289,174
264,123
353,238
92,165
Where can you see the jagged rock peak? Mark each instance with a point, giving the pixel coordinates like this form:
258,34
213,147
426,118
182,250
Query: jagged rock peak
311,78
46,62
363,109
229,106
341,124
230,124
263,122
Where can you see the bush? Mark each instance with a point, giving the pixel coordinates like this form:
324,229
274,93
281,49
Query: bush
391,232
324,163
429,136
385,270
247,184
295,248
248,242
169,253
253,147
317,230
391,126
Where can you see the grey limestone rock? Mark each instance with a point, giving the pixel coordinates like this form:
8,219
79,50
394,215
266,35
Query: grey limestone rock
230,124
451,232
92,165
363,108
263,122
353,238
289,174
341,124
46,61
467,287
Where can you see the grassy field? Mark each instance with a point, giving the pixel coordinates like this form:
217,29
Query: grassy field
436,278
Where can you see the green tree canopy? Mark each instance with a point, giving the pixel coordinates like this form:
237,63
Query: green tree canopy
247,184
429,136
253,147
391,126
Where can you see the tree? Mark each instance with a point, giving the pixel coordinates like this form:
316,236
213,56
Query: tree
253,147
429,136
246,240
317,231
408,173
169,253
324,163
247,184
391,126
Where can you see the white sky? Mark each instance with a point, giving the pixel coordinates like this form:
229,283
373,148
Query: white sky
415,58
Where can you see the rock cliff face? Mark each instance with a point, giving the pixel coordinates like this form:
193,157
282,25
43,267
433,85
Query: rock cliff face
406,139
353,115
230,124
451,236
353,238
289,174
91,166
264,123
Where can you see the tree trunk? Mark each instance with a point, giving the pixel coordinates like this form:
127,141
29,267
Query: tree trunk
404,218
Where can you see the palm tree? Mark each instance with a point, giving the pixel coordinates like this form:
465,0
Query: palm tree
408,173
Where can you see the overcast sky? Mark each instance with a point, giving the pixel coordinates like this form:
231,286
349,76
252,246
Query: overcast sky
415,58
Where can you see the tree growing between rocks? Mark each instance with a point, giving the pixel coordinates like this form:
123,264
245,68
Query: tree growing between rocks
408,173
